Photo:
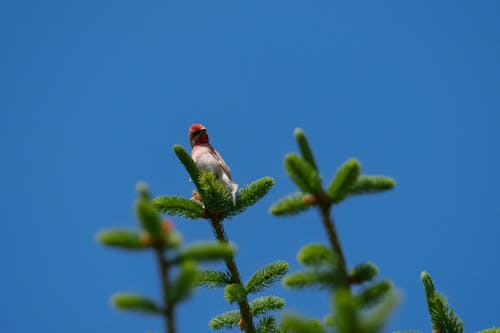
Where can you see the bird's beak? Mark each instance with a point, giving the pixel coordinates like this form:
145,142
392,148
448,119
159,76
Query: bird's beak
198,132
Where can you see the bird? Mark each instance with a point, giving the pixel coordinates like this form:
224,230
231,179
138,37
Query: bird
207,158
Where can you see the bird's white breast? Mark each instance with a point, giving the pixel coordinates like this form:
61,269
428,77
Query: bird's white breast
206,160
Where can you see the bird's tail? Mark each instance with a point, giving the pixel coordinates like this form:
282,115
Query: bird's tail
234,189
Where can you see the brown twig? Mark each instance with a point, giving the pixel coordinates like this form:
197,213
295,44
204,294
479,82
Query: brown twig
328,223
168,309
221,236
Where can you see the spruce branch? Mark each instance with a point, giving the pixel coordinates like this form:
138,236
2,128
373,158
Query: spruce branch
121,238
250,194
267,325
189,164
293,323
302,174
204,251
173,205
372,294
375,320
316,255
304,147
264,304
343,181
443,318
151,223
159,236
328,265
184,284
147,215
226,320
346,318
266,276
135,303
362,272
316,279
216,196
428,284
213,279
172,239
291,204
235,292
366,184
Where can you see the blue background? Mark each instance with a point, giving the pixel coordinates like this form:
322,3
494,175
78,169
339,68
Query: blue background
94,94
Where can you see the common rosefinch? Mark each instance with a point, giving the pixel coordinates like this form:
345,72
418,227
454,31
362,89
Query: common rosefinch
208,159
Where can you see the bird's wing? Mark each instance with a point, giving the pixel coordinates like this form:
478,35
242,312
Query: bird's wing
222,163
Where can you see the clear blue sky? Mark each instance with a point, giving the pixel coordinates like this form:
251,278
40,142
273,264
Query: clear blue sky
94,94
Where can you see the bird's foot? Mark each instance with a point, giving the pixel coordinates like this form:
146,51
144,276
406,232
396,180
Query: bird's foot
196,196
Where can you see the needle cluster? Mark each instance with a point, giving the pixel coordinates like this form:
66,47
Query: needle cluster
359,303
159,237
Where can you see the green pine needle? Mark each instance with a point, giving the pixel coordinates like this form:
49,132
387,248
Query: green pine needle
142,190
124,239
186,281
290,205
216,195
205,251
311,279
213,279
316,255
375,320
173,239
491,330
265,276
363,272
234,292
343,181
189,164
262,305
443,317
250,194
226,320
267,325
292,323
149,217
304,147
428,285
371,184
174,205
372,294
346,318
135,303
303,174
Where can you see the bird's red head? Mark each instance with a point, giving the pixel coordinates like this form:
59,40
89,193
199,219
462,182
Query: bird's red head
197,135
